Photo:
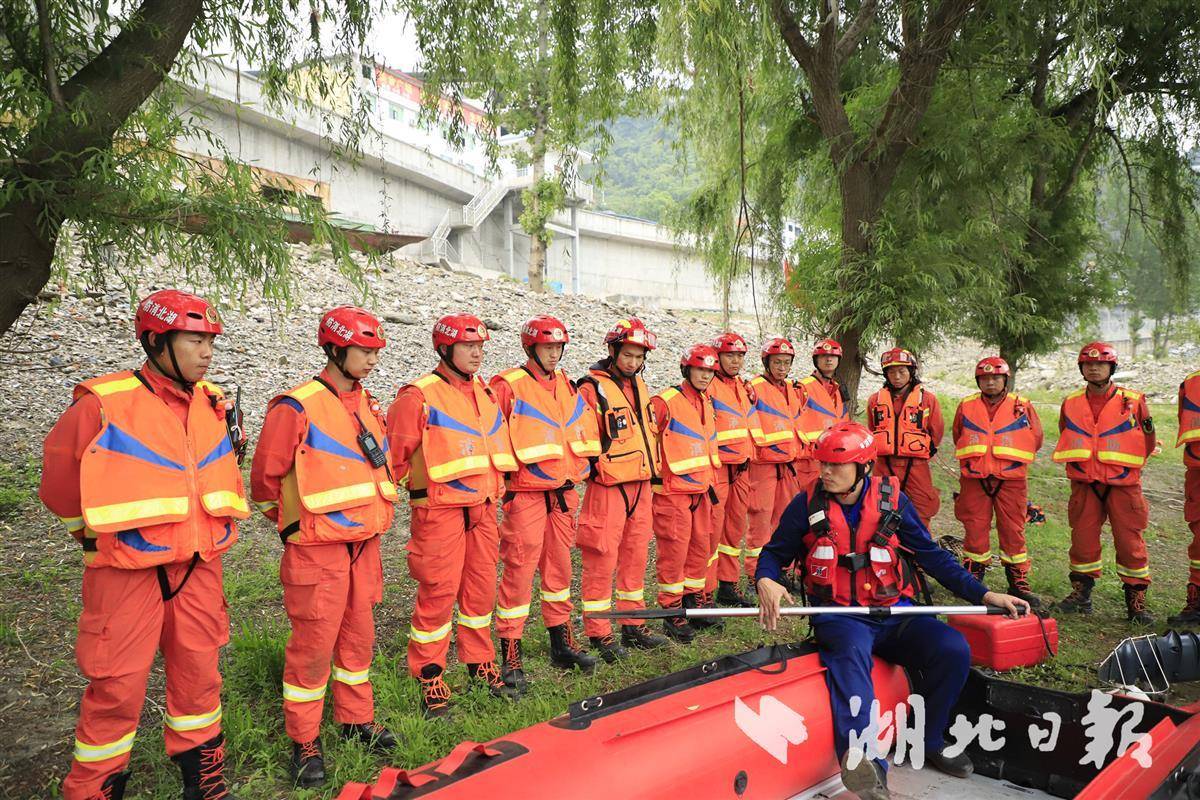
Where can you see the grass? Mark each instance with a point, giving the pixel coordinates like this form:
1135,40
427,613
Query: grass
39,599
18,486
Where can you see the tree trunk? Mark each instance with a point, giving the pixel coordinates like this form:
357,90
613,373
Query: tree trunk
726,282
25,258
537,247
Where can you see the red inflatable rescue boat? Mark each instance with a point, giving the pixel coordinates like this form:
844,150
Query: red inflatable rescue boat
757,726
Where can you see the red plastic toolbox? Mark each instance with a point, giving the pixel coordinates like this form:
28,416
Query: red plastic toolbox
1002,643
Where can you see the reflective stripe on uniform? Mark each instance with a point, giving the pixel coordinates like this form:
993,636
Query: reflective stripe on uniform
753,552
1194,564
727,550
713,558
136,509
224,498
476,622
1092,567
528,454
598,605
342,494
441,471
971,450
732,433
73,524
298,694
351,677
113,387
1133,572
1013,452
1068,455
1114,457
516,612
691,583
425,637
266,506
1015,558
101,752
556,597
978,557
193,722
672,588
633,595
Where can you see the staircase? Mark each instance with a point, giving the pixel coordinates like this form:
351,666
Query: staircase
483,203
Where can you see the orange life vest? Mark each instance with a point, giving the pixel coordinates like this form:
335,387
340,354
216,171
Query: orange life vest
332,493
1111,449
906,434
777,412
733,403
999,446
553,433
628,447
1189,419
153,493
865,566
821,409
688,443
464,453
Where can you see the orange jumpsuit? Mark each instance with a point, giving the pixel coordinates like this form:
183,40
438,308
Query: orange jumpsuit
823,408
734,406
1189,439
454,543
615,520
1104,439
683,501
916,479
773,476
126,619
331,580
538,528
995,482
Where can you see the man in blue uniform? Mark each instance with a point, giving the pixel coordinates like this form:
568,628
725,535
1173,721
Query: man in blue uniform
853,533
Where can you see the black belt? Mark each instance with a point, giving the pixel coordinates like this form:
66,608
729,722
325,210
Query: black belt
164,583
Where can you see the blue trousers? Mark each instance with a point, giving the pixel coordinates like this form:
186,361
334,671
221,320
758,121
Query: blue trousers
924,644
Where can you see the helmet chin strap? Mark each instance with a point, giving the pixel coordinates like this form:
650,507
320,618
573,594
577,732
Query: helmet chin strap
446,353
531,352
177,377
613,351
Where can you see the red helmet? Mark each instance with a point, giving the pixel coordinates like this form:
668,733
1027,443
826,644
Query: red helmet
172,310
777,346
703,356
544,329
846,443
898,357
1098,352
729,342
827,347
350,325
992,365
458,328
633,331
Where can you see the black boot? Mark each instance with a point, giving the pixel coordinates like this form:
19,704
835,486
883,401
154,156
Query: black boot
563,652
308,764
865,780
696,600
1190,615
608,648
960,766
678,629
113,787
487,675
372,734
1135,605
512,665
1018,585
978,569
203,770
1079,601
729,595
639,637
435,694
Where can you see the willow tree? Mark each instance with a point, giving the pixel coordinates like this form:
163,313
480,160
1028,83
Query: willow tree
91,111
557,71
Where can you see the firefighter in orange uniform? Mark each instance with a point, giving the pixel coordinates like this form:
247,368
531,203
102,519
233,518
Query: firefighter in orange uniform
1189,439
320,473
684,495
824,403
143,471
906,420
777,445
996,436
615,522
554,434
1105,436
733,402
450,448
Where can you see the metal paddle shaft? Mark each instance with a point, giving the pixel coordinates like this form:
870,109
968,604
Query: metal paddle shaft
799,611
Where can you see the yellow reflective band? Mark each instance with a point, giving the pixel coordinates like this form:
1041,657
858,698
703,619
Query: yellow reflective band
777,436
1194,564
1188,436
100,752
979,558
425,637
514,375
224,498
732,433
1129,572
479,622
1016,558
73,524
689,464
556,597
712,559
1012,452
726,550
516,612
669,394
527,454
350,677
586,447
136,510
1071,455
753,552
671,588
307,390
1114,457
970,450
266,505
344,494
1092,567
193,722
113,387
598,605
441,472
693,583
633,595
810,436
298,694
504,462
